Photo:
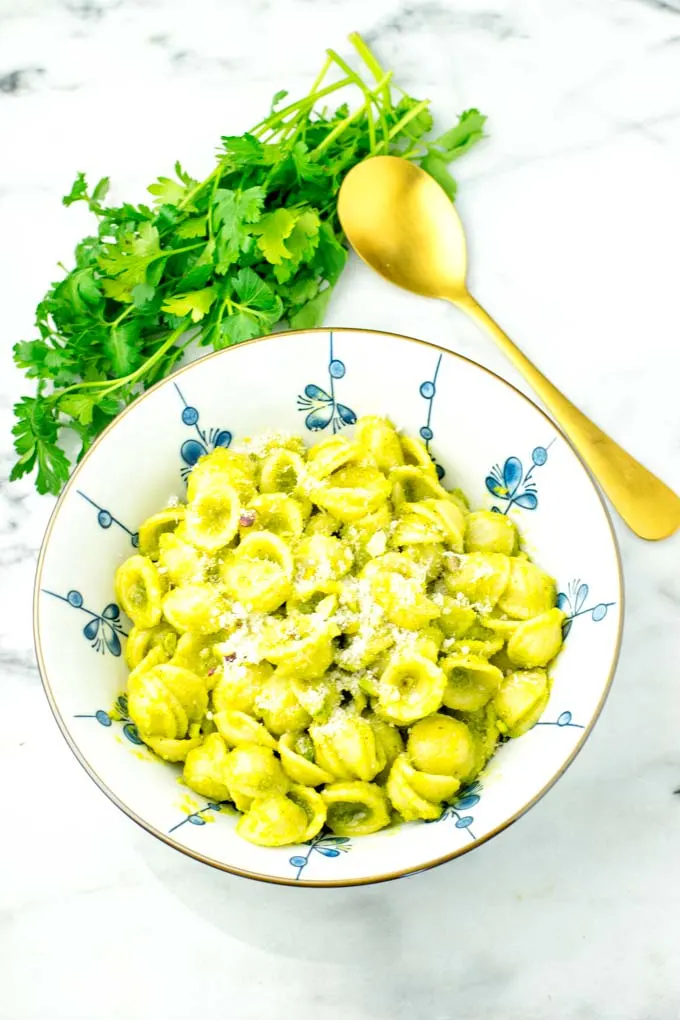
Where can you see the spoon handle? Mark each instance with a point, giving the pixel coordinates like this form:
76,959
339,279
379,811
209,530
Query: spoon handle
648,507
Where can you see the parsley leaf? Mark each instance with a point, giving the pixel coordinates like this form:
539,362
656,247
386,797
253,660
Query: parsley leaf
35,434
459,139
271,232
79,406
437,167
121,346
312,311
78,192
127,260
232,212
253,291
197,303
300,245
238,327
172,192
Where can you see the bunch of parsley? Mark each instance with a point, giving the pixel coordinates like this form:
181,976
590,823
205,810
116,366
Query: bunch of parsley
213,262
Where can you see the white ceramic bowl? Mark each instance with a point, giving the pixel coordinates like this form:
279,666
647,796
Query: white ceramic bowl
487,438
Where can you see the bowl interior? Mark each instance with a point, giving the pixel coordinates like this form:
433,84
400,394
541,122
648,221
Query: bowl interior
486,438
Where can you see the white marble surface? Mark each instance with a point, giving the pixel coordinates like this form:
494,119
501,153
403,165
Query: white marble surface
573,207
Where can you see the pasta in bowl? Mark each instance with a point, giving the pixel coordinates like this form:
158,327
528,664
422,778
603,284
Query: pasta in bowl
328,637
319,641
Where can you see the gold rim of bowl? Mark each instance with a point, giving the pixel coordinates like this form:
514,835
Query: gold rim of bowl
164,837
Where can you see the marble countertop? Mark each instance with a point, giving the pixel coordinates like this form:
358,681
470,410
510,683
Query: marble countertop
573,207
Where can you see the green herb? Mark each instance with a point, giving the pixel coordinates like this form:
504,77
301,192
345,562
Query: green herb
212,262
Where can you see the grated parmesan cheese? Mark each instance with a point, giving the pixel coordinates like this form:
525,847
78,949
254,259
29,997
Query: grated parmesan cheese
377,544
261,445
246,641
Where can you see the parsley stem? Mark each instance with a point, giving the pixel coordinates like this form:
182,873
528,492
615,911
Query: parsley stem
156,356
213,192
350,72
301,120
338,130
385,80
416,152
247,310
220,315
369,95
401,124
371,128
372,64
308,101
108,385
123,315
164,253
189,197
321,75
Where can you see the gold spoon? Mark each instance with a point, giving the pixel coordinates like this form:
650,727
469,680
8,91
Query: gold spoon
402,223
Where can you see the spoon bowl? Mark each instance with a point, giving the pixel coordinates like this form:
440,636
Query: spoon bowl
403,224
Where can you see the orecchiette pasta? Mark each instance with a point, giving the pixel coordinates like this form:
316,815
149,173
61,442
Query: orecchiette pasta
351,492
223,469
348,747
537,641
297,755
411,687
280,819
258,573
240,728
489,532
404,798
472,681
141,641
330,637
275,820
254,771
442,745
520,700
528,591
481,578
275,512
205,768
212,517
195,608
282,471
139,591
160,524
278,706
180,561
356,809
166,701
378,440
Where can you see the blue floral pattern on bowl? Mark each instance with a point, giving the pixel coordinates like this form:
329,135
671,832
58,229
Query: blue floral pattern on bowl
321,406
512,485
104,629
118,714
105,519
572,602
193,449
563,719
197,817
428,391
468,797
325,844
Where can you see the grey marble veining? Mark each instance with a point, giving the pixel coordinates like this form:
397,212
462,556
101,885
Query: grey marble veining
573,209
